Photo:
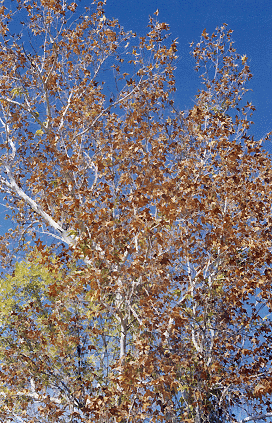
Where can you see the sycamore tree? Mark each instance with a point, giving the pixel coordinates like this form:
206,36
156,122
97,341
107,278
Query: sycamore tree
144,293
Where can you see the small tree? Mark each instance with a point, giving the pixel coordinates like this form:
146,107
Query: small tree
147,296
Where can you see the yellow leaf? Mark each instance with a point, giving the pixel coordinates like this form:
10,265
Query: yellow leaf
244,59
39,132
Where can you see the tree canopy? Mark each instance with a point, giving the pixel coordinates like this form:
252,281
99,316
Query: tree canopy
136,284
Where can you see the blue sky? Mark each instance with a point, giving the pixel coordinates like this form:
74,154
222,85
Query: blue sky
251,21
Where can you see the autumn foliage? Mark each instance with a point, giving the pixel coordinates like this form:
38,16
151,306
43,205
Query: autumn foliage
142,288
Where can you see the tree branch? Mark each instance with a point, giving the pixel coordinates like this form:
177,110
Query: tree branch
255,417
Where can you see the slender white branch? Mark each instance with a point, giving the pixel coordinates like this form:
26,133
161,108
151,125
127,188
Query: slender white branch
65,112
135,314
11,156
33,395
255,417
13,186
71,241
27,107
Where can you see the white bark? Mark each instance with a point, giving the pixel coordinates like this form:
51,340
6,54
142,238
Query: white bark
33,395
255,417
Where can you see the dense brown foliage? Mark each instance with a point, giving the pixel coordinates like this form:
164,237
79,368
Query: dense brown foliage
147,296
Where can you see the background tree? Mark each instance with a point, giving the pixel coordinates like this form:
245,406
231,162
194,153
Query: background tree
149,288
